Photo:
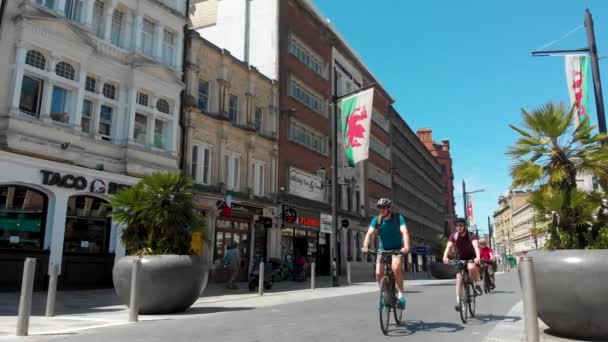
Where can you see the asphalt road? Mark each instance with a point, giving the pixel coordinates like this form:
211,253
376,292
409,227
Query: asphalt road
430,316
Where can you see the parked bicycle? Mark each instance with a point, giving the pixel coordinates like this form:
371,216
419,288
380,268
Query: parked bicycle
388,292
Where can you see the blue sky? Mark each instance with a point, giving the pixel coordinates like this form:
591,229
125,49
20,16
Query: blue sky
463,68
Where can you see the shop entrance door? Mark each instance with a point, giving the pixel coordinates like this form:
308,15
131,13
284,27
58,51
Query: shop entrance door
227,232
324,255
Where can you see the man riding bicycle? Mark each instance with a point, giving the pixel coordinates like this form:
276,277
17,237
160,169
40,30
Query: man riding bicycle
392,229
487,255
467,248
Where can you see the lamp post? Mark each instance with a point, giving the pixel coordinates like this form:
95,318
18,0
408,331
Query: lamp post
464,201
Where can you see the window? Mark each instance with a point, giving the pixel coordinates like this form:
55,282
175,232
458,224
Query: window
201,164
147,37
105,122
162,106
306,57
307,138
233,108
142,99
109,91
60,105
379,147
203,95
98,19
47,3
22,217
306,97
73,10
65,70
232,171
90,84
141,126
380,120
88,225
31,94
168,47
159,128
35,59
259,114
87,114
378,175
259,177
194,170
117,23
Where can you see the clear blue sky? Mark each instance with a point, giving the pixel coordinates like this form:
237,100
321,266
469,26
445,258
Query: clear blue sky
463,68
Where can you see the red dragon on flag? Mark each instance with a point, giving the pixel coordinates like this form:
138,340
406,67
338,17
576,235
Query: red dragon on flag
355,130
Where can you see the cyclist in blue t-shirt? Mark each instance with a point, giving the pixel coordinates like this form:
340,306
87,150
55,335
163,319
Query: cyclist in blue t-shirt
393,236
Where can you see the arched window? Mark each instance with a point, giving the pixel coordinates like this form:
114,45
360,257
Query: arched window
162,106
23,213
65,70
87,226
35,59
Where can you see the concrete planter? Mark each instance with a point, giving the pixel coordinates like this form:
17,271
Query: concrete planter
168,283
443,271
571,292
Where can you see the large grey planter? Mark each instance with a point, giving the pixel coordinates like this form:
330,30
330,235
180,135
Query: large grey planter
168,283
443,271
571,292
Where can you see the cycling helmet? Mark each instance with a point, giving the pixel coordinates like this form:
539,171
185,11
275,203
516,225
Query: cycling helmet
385,202
461,220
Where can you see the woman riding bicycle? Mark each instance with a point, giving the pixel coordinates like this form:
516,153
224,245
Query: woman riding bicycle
467,248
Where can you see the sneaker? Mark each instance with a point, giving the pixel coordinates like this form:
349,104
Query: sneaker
492,286
457,307
479,290
401,302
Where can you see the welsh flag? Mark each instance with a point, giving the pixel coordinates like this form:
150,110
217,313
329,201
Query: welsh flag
577,75
356,116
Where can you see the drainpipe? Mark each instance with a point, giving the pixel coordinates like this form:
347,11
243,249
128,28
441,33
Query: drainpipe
182,115
247,30
2,10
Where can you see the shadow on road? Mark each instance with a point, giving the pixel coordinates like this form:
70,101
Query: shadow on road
210,310
481,319
499,291
442,284
408,328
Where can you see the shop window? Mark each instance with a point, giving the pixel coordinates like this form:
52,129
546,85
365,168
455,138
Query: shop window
87,227
22,217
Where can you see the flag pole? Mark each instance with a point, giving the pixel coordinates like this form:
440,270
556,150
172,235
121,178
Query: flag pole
334,181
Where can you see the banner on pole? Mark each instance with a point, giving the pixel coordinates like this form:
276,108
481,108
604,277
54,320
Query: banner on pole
577,76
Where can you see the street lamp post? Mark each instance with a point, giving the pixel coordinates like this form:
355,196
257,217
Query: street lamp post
464,201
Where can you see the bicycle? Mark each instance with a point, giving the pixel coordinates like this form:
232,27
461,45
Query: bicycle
388,292
468,294
487,281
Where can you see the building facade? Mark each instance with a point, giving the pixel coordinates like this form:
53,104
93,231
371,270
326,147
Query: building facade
525,236
504,233
418,190
441,151
232,143
90,101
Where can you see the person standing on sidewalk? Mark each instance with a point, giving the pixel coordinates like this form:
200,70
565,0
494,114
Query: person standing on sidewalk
232,262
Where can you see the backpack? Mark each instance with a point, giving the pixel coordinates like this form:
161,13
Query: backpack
394,217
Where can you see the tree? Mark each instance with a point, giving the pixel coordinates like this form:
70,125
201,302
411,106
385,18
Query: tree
159,214
548,155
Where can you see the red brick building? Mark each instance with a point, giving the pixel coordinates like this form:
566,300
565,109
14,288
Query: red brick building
441,151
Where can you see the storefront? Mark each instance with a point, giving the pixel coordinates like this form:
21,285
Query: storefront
301,236
58,214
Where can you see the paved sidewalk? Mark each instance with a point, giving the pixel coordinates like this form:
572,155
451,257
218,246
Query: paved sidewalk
80,310
514,330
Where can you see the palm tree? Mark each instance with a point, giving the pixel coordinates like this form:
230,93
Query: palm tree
549,153
159,213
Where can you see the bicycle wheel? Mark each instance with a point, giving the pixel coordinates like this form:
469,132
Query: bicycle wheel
384,308
397,310
486,282
464,298
472,297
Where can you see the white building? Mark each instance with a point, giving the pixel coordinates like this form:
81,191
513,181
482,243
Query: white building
523,238
94,86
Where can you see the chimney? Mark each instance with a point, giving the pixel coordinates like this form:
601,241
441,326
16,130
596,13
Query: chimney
446,145
425,135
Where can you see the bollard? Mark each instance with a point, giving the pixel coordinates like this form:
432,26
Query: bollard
348,278
261,280
52,291
529,296
134,302
25,302
313,267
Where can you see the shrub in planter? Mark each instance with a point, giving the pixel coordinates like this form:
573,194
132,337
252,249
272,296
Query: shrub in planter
159,215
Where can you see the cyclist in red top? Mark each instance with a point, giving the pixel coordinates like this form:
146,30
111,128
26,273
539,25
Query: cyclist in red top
487,255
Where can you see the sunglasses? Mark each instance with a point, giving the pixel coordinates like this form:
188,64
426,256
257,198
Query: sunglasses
460,225
382,206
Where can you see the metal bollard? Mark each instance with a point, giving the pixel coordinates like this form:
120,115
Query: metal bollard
313,267
261,279
25,302
529,296
134,302
52,291
348,277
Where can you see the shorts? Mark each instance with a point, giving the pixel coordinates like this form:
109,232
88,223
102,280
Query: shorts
379,258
